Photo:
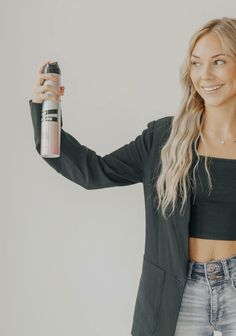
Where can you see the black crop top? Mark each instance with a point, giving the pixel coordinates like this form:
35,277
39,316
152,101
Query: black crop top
213,212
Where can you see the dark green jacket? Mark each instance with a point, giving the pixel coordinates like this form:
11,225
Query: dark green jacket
165,259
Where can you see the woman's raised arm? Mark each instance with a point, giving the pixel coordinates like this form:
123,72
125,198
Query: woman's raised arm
83,166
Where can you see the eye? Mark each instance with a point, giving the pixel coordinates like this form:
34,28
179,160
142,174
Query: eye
194,63
219,60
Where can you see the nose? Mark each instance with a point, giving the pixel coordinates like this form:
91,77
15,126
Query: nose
206,73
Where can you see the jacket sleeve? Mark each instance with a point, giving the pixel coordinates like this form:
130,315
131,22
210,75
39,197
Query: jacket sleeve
83,166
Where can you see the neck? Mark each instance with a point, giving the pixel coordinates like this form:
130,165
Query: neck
220,122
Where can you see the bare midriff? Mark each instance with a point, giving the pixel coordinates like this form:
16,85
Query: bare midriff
203,250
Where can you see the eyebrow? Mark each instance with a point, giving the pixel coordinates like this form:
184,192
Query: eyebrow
211,56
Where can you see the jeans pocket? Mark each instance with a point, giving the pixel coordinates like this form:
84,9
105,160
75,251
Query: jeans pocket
233,283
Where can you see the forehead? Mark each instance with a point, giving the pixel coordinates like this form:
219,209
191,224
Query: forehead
208,45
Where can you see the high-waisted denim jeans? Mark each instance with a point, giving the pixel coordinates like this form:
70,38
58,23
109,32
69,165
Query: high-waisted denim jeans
209,299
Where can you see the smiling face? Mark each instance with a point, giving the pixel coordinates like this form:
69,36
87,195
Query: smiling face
213,72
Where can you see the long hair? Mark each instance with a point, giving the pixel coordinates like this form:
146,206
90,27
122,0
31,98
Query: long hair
177,154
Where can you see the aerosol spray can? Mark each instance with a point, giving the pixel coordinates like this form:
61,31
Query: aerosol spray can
51,118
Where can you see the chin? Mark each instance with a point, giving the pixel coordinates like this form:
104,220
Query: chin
211,102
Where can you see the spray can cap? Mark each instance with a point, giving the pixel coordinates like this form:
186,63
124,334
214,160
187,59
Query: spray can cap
52,68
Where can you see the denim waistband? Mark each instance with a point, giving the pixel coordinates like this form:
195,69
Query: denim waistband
212,270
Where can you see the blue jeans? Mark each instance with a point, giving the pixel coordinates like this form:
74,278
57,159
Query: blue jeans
209,299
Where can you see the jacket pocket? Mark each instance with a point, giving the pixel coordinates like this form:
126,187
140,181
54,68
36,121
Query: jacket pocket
148,299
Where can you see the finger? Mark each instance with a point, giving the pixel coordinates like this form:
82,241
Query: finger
48,88
47,76
62,89
42,66
41,70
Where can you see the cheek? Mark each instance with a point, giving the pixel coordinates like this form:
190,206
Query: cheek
195,83
234,85
194,77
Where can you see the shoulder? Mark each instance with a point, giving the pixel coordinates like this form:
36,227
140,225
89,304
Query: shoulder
163,123
160,129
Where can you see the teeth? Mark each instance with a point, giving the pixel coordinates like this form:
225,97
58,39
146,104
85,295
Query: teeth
212,88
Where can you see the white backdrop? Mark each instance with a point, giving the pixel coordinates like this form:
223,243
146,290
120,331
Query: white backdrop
71,258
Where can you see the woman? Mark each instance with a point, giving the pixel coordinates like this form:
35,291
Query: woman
187,163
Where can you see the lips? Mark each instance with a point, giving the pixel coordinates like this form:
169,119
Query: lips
211,88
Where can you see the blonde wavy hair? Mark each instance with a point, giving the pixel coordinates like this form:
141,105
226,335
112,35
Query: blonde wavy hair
177,154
